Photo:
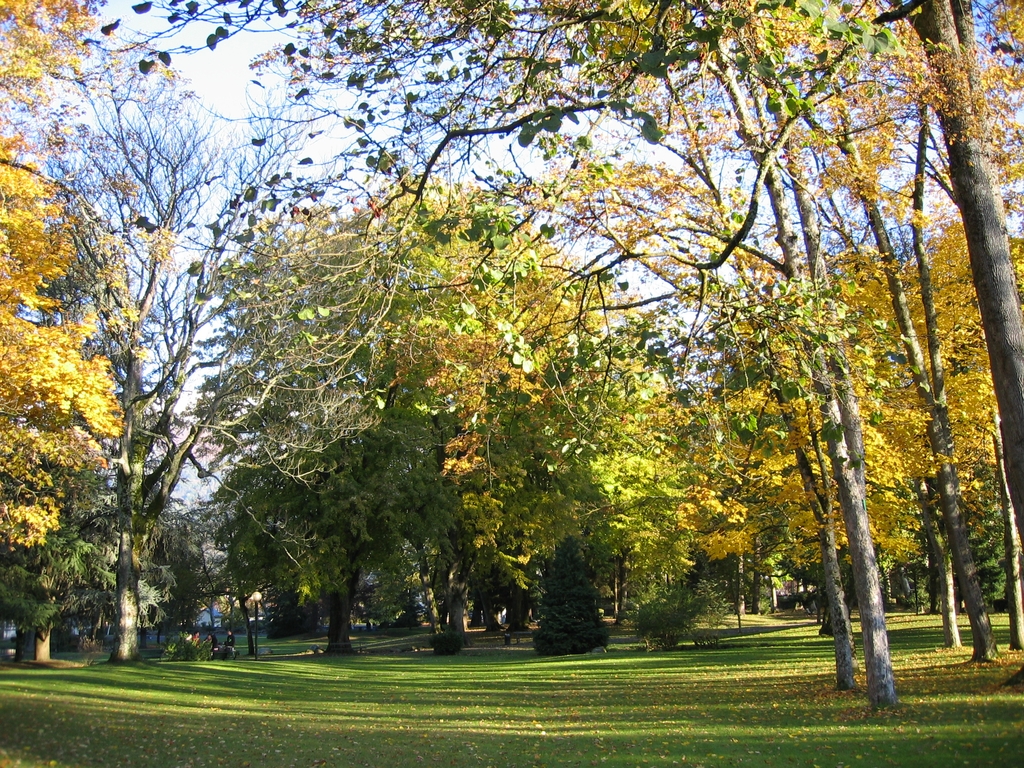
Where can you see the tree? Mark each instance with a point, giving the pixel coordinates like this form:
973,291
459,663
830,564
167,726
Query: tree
48,584
138,189
640,69
51,393
947,30
570,621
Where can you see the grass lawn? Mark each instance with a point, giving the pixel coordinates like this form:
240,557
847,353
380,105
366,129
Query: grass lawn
760,700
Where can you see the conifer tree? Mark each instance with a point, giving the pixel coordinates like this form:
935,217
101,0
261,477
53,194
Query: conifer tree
570,621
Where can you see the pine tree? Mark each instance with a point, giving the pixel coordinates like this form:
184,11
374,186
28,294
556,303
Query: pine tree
570,621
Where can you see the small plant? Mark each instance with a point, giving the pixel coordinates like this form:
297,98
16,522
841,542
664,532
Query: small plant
447,643
674,612
187,649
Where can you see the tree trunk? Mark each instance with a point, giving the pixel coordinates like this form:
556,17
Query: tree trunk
944,566
249,636
339,639
842,631
847,457
19,645
947,30
429,601
489,614
839,617
516,611
757,581
741,591
1014,594
840,410
1011,552
840,413
42,644
931,392
457,590
620,593
126,642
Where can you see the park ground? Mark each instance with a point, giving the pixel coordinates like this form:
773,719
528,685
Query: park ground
762,699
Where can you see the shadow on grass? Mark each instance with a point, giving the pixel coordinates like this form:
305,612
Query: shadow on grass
761,702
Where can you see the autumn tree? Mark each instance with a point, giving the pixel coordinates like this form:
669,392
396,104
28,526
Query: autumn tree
51,393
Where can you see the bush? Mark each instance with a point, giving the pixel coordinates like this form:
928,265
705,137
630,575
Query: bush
672,613
447,643
186,649
570,621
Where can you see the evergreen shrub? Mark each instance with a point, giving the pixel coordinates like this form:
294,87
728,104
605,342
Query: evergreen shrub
570,620
447,643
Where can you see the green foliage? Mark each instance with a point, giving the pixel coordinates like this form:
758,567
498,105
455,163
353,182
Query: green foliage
570,621
447,643
186,649
673,612
287,617
411,616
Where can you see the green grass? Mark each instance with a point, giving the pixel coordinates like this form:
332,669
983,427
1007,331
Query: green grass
762,700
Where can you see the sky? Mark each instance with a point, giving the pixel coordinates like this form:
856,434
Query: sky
221,78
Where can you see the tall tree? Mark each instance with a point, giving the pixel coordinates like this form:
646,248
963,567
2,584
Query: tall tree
51,393
948,31
144,181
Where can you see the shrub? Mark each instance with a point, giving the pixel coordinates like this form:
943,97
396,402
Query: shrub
447,643
674,612
186,649
570,621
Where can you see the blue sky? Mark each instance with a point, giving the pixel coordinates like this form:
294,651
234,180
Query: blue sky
221,77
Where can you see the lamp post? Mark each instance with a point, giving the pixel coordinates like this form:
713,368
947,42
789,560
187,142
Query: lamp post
257,596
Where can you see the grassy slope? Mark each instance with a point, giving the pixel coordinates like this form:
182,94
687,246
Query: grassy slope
760,700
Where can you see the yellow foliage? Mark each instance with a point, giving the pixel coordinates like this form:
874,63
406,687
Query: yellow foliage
39,38
54,403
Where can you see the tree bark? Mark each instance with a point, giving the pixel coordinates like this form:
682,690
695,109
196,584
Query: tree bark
457,590
847,457
19,645
1011,552
842,631
944,566
42,644
249,638
931,392
339,638
126,642
741,589
515,614
838,403
947,31
619,578
429,601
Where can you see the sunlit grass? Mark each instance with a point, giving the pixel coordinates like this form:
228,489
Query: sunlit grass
759,700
